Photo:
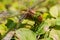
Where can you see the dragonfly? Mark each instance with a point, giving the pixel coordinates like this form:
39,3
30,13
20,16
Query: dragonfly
23,15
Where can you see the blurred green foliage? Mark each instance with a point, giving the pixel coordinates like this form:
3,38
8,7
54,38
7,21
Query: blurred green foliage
42,22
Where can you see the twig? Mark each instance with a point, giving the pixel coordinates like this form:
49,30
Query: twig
9,35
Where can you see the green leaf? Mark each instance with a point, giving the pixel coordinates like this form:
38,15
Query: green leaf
55,34
44,16
15,19
54,11
10,24
27,21
51,22
42,28
3,29
25,34
58,21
